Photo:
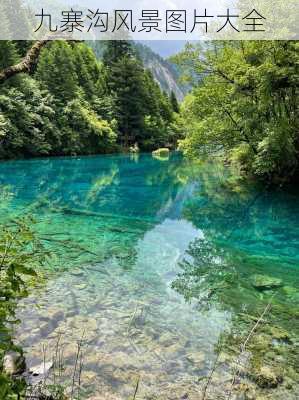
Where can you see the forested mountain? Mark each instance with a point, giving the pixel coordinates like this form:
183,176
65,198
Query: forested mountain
166,73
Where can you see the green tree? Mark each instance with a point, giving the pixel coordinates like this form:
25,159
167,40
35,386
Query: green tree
143,111
73,104
115,50
125,81
82,129
60,110
245,104
174,102
56,70
8,53
87,69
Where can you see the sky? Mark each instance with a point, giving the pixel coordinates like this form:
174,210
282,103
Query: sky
170,27
165,48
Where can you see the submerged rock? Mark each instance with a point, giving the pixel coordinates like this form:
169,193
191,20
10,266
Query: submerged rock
280,334
104,395
81,286
167,339
89,377
41,369
14,363
266,377
77,272
265,282
52,314
292,293
162,152
197,358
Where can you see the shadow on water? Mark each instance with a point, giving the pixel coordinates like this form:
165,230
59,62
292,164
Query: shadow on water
157,260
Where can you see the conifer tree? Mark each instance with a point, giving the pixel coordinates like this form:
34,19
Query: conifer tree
125,80
8,53
87,69
57,71
174,102
142,110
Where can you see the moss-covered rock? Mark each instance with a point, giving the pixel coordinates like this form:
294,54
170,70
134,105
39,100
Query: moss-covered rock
162,152
267,377
279,334
260,344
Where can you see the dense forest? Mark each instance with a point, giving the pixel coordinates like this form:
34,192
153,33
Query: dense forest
243,104
73,104
165,72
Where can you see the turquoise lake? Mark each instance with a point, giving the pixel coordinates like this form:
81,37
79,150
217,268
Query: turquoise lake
153,263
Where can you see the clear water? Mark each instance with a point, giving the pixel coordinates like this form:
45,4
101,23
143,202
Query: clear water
120,230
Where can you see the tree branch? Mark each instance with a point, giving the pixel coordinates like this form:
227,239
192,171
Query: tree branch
27,63
241,130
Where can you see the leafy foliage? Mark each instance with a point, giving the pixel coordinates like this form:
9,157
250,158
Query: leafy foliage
245,104
20,254
73,104
143,112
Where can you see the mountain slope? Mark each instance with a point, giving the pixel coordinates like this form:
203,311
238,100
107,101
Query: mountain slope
164,72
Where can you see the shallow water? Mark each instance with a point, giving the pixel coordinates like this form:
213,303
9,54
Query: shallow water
152,264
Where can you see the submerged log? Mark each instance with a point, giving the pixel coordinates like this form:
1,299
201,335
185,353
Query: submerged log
89,213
